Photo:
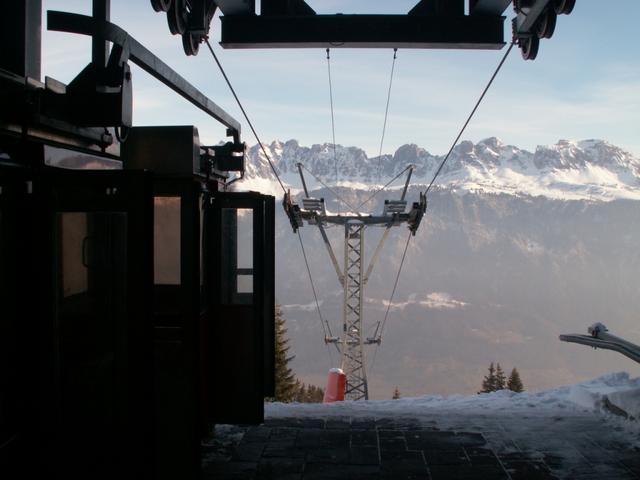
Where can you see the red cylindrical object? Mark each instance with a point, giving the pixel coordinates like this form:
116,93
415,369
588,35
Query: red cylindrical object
336,382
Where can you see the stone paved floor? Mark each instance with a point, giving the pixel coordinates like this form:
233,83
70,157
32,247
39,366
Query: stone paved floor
461,447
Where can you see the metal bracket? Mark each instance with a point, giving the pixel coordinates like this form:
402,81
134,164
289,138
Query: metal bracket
224,158
101,95
293,212
416,213
141,56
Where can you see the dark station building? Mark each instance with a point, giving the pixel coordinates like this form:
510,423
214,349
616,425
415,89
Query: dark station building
132,285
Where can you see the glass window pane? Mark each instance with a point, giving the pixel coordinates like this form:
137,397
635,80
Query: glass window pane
70,159
236,267
245,284
166,240
245,238
74,242
91,312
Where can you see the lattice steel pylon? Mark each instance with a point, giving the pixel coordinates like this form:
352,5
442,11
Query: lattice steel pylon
353,286
352,276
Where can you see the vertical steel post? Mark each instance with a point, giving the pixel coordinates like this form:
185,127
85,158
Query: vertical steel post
352,345
21,37
99,47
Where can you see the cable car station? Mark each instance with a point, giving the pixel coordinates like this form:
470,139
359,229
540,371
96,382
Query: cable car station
136,290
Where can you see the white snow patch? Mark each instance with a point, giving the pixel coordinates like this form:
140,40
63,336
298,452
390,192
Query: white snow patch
442,301
265,186
615,386
434,300
309,307
627,400
585,398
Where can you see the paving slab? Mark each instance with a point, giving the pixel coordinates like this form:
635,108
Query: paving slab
433,448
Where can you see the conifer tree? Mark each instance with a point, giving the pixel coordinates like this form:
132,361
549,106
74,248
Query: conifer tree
299,390
308,395
514,383
501,379
396,394
489,382
287,387
314,394
319,395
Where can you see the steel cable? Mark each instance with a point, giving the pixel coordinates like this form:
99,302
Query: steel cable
333,123
385,186
484,92
386,315
386,111
246,117
337,195
323,322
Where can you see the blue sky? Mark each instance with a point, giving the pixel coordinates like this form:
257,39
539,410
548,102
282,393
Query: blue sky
584,84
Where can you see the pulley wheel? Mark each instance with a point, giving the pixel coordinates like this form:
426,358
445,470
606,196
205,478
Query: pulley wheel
161,5
547,23
190,43
177,17
529,47
564,7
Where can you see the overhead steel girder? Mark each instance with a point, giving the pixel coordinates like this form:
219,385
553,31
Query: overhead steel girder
488,7
237,7
247,7
363,31
141,56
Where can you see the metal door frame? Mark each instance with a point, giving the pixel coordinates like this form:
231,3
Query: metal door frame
110,191
224,316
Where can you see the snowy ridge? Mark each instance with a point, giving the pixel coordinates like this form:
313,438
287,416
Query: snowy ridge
582,397
583,170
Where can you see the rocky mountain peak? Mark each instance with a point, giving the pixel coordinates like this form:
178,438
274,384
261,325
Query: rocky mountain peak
593,169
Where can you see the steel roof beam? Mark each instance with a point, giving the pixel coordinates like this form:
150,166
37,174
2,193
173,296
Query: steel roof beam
488,7
363,31
237,7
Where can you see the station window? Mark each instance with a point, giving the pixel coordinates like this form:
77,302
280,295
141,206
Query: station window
166,240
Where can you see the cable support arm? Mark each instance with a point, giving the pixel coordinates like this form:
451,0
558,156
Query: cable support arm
406,183
376,254
599,338
332,254
385,235
304,184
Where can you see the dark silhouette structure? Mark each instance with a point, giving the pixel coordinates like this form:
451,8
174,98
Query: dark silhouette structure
137,297
136,293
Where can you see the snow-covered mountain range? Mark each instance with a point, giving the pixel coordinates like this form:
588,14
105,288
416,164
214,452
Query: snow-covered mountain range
587,169
515,248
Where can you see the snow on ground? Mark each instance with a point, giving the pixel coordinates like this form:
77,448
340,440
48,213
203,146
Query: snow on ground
586,398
